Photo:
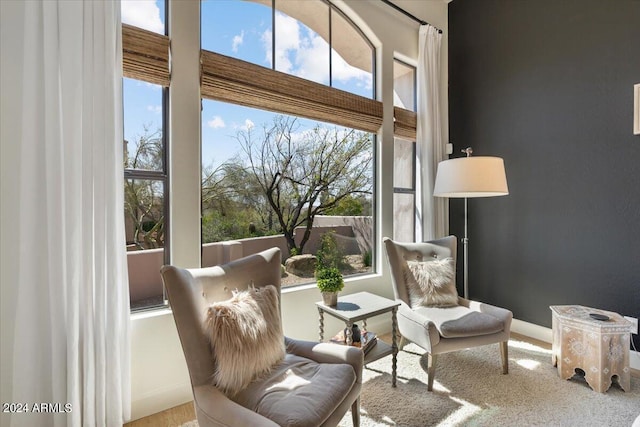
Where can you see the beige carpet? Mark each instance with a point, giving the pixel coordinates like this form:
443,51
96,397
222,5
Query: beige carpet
469,390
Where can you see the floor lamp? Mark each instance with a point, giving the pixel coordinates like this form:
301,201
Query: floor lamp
467,177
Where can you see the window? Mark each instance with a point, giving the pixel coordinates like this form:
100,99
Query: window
239,29
287,159
310,39
145,164
272,179
145,190
148,15
404,163
404,85
404,193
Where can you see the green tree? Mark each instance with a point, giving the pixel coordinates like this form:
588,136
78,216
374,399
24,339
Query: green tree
305,174
233,206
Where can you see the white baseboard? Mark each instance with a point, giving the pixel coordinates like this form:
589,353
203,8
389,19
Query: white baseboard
531,330
544,334
160,400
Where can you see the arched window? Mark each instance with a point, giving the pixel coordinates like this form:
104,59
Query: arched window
312,39
289,123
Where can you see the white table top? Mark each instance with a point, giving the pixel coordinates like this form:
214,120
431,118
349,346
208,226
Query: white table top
358,306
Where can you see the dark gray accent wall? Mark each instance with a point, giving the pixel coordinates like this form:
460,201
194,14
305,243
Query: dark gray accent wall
548,86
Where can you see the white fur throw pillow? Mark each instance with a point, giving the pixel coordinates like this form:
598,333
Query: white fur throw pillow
430,283
246,337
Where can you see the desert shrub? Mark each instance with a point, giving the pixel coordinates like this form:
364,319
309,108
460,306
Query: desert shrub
330,254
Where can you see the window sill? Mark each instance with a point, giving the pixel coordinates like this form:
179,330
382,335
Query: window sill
348,280
163,311
152,312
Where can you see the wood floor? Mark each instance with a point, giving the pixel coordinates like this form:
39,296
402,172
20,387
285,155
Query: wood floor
179,415
173,417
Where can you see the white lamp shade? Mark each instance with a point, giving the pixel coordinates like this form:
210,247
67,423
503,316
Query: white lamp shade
474,176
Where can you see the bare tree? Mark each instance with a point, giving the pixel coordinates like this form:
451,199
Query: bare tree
304,174
144,198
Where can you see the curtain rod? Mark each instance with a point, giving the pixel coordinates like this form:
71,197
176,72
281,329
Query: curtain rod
415,18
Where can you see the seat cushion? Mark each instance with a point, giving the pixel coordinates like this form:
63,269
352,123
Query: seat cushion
459,321
299,392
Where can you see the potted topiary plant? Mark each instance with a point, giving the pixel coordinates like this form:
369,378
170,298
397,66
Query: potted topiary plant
330,282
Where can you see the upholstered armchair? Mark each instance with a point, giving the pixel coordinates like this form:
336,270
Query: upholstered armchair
441,330
315,384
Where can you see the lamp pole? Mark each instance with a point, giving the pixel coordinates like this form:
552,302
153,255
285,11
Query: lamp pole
465,240
467,177
465,245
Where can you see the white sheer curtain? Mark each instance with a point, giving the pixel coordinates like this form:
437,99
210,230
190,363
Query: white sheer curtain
432,212
71,331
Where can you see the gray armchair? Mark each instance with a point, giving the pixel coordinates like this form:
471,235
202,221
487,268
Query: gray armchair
442,330
316,383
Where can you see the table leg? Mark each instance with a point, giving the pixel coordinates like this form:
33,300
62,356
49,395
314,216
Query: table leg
349,333
394,346
321,324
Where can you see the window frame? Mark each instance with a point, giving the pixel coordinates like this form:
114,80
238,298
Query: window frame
231,80
405,129
161,175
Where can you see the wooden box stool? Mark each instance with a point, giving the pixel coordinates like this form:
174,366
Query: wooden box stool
598,347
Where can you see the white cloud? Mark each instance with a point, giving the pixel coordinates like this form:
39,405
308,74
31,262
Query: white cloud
142,13
287,42
155,108
216,122
312,59
248,125
344,72
303,53
266,42
237,41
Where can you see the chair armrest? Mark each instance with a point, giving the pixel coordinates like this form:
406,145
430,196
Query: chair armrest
502,314
214,409
328,353
417,328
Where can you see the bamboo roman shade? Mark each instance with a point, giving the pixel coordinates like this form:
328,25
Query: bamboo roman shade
404,123
145,55
240,82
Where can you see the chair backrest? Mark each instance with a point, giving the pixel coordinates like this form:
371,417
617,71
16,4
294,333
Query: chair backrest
399,253
191,291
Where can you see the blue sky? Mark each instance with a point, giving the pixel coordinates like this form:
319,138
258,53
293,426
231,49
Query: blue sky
242,30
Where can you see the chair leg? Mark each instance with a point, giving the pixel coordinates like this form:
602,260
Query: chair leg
431,371
355,412
430,360
504,353
403,342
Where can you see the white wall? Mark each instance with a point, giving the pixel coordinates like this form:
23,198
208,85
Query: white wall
159,374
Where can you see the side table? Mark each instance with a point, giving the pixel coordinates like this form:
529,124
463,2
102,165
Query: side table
598,347
360,306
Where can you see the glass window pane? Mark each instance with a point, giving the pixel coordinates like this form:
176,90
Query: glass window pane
261,176
144,226
144,213
351,58
302,34
403,163
143,141
149,15
404,86
239,29
403,217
